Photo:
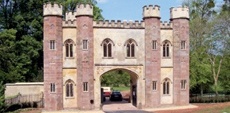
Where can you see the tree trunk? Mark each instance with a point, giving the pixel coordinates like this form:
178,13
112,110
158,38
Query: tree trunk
201,90
216,87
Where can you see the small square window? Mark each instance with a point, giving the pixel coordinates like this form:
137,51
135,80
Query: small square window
183,45
52,87
154,85
183,84
154,45
85,45
85,86
52,44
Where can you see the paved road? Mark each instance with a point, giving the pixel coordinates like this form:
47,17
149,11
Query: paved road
120,107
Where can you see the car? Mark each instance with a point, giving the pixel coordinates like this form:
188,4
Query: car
116,96
107,91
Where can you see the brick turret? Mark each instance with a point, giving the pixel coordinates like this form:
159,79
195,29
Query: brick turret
151,16
52,46
180,21
85,56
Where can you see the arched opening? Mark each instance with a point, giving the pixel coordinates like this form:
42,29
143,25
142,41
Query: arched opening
122,81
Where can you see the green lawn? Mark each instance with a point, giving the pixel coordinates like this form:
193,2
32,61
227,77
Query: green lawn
121,88
226,110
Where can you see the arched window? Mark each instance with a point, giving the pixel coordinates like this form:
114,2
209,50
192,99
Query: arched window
130,48
166,86
69,88
69,48
166,49
107,47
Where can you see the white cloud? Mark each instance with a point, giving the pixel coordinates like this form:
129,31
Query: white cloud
102,1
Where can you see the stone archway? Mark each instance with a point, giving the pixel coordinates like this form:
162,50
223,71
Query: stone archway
136,72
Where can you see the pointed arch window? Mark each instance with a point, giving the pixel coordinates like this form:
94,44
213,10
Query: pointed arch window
166,86
107,48
69,88
69,48
130,48
166,49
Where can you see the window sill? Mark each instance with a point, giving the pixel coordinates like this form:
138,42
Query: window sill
69,57
107,57
183,89
166,57
130,57
166,95
69,97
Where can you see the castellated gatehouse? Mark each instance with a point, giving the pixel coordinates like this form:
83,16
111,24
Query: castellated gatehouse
79,50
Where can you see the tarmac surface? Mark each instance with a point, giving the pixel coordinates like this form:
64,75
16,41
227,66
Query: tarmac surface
120,107
123,107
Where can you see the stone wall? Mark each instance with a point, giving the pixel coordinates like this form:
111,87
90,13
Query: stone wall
13,89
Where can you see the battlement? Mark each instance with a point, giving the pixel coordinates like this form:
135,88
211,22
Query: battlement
69,23
179,12
70,16
119,24
84,9
52,9
166,25
151,11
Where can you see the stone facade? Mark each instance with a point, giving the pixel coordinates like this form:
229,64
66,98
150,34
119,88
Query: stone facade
78,51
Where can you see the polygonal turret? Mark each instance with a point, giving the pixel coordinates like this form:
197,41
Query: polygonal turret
151,11
179,12
52,9
84,10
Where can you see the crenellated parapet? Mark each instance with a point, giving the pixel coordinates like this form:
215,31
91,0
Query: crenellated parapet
166,25
179,12
84,10
52,9
69,23
119,24
151,11
70,16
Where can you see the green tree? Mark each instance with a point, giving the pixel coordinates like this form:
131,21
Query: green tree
2,97
8,58
219,44
200,13
115,78
209,40
26,18
24,61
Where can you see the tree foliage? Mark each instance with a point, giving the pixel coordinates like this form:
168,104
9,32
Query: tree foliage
21,35
115,78
2,97
209,40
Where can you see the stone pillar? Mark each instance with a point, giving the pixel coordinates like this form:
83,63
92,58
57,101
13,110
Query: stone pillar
85,56
151,17
180,21
52,47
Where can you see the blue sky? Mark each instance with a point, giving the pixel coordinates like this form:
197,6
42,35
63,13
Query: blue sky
132,9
